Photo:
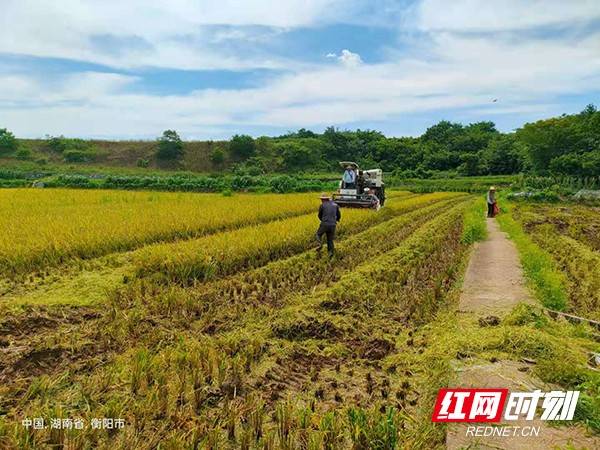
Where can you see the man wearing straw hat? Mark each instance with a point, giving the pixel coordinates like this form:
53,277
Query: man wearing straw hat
329,214
491,202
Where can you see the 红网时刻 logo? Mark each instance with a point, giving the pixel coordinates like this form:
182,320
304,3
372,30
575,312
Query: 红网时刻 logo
495,405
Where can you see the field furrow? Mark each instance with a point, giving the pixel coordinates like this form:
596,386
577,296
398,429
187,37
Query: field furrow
52,226
241,375
222,254
220,303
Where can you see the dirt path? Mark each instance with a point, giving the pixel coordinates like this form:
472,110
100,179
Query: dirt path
493,285
494,281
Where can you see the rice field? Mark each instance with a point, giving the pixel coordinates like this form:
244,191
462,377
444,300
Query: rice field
570,235
50,226
221,327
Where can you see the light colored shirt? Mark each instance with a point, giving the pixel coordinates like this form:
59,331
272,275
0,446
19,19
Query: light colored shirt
491,197
349,176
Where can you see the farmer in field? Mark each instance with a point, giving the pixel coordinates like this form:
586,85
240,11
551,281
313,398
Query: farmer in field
491,202
329,214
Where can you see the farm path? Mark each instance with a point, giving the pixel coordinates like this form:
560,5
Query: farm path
493,285
494,281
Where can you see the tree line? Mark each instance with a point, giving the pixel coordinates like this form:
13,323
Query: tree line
565,145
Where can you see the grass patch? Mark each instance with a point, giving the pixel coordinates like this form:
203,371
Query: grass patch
474,223
540,270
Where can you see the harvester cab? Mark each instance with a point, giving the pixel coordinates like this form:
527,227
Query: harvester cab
360,188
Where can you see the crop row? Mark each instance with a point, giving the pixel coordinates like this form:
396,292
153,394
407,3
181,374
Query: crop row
218,391
222,254
579,222
396,280
570,235
582,267
298,274
47,227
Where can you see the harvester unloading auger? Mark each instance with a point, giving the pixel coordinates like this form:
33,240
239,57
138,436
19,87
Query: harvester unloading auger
360,188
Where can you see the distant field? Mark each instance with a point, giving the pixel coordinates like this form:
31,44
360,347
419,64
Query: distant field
45,227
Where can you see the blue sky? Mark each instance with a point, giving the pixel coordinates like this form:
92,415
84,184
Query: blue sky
130,69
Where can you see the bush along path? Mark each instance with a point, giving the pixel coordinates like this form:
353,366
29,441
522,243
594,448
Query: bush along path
495,301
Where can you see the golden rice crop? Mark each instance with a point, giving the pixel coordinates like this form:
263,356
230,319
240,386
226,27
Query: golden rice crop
276,282
223,253
582,267
47,227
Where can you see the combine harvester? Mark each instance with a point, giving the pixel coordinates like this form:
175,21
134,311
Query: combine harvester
360,188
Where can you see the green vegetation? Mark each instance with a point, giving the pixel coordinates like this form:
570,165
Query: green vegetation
563,146
170,146
474,229
454,184
540,269
242,146
21,176
569,235
8,142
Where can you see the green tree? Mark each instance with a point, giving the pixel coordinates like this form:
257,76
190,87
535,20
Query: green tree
217,156
472,164
242,146
170,146
297,156
8,142
504,155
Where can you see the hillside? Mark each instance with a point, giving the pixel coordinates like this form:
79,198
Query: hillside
129,154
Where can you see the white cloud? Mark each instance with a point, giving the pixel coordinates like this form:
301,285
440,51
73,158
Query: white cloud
349,59
172,31
465,73
346,58
479,15
444,71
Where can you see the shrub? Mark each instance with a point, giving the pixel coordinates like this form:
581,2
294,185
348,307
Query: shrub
242,146
57,144
217,157
78,156
8,142
283,183
23,154
141,162
170,146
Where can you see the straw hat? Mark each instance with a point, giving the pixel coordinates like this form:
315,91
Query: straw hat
492,188
324,196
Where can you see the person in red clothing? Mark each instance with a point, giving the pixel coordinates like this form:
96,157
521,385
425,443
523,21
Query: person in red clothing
491,202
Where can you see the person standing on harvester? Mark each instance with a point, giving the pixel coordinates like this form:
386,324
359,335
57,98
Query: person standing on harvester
329,214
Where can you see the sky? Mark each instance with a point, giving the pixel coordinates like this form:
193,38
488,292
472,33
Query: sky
129,69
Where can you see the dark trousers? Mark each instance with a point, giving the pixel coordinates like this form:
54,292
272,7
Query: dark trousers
490,210
329,231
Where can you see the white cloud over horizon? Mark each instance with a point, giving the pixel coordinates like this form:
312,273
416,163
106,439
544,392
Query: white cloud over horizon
458,63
